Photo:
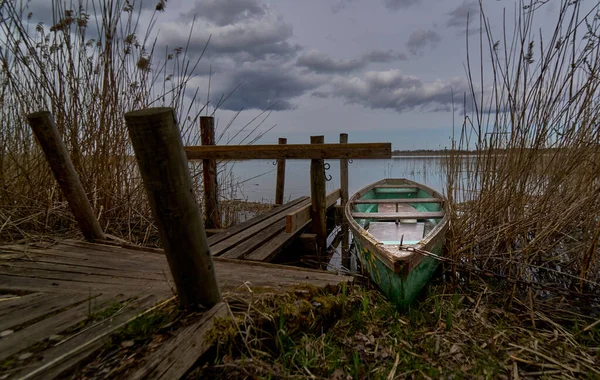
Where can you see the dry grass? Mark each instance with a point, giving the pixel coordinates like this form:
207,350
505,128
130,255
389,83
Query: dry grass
527,205
89,67
354,333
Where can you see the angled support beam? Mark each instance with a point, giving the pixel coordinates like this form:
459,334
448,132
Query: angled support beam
56,153
159,152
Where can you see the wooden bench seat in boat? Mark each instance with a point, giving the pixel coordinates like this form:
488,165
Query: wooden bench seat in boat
396,190
397,201
398,215
401,186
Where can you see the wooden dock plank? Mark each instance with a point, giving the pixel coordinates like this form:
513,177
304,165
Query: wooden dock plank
242,226
57,359
78,270
33,284
270,249
247,233
174,358
47,327
86,258
398,215
76,278
49,303
256,242
9,305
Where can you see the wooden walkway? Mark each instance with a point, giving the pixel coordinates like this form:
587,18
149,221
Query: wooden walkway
260,238
47,290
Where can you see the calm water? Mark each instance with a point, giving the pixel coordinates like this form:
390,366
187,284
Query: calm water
255,180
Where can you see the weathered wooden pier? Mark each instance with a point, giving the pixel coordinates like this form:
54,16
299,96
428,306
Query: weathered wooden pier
49,289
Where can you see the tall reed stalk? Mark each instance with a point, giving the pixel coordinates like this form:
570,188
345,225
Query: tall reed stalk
527,205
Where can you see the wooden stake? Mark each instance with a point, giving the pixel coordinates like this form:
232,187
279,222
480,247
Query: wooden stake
317,194
279,189
344,201
162,162
209,175
56,153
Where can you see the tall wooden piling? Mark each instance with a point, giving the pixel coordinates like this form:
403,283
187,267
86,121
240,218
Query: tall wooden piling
56,153
317,194
280,187
162,162
209,175
344,201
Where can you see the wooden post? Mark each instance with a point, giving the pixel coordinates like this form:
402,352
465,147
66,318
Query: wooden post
162,162
317,195
344,201
279,189
56,153
209,175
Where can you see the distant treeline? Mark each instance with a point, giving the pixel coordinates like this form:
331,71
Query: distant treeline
429,152
448,152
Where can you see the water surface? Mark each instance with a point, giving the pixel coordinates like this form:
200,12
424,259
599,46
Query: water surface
255,180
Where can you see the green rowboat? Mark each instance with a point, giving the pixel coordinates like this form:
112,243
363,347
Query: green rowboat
399,228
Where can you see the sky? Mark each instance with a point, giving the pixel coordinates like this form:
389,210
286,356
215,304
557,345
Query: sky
379,70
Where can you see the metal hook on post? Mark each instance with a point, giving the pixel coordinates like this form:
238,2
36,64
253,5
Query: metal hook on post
326,166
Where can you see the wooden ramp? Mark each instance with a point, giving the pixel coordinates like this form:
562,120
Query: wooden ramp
48,290
263,237
260,238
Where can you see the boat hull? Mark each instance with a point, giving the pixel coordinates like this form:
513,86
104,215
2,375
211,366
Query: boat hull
400,270
400,288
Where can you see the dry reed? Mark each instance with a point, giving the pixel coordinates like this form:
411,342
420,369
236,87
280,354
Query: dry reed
526,205
87,68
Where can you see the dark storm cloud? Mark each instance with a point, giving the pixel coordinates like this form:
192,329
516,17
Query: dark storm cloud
398,4
322,63
266,86
457,18
382,56
225,12
244,30
394,90
420,39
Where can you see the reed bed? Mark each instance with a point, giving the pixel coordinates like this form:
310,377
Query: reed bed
93,63
523,176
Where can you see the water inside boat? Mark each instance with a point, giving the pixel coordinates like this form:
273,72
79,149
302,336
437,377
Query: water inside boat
402,230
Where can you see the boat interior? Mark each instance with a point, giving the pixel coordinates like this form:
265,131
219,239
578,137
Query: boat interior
398,214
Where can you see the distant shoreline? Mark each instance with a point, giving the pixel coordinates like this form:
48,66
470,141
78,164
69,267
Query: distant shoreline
428,153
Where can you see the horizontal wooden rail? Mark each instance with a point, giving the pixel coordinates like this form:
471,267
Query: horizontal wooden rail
397,201
290,151
297,219
398,215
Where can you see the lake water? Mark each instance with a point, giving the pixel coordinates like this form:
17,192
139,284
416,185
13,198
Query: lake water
255,180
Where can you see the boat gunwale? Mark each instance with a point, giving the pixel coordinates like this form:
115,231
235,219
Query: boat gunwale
396,260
